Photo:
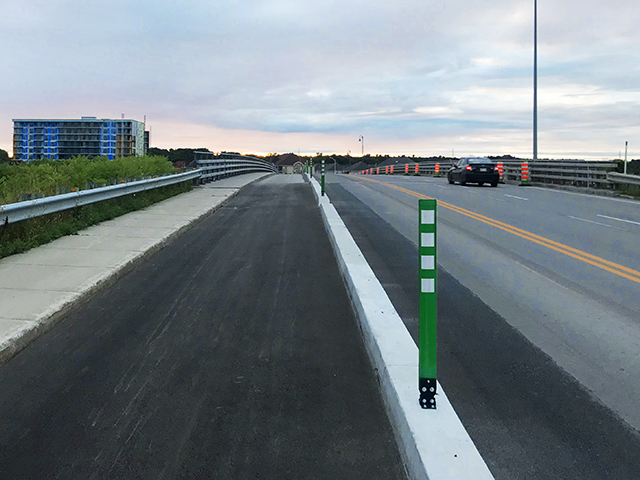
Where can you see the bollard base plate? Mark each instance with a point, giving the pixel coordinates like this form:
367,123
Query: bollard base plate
427,388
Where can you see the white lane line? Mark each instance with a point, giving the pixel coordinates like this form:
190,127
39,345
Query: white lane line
513,196
619,219
595,223
441,186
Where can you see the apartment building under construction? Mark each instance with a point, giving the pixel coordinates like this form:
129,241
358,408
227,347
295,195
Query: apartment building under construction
88,136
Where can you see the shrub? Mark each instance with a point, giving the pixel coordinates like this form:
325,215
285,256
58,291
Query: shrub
21,236
47,176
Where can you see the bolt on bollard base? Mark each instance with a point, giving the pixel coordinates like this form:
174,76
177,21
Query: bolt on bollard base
428,388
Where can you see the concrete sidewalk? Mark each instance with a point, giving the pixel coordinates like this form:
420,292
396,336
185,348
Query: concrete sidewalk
37,286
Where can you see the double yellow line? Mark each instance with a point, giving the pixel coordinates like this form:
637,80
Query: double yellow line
616,269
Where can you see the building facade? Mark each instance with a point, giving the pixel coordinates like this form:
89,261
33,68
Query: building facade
88,136
289,163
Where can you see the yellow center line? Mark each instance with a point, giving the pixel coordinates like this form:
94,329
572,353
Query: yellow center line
620,270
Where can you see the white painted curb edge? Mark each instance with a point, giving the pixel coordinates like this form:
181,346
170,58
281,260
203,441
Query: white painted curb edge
434,443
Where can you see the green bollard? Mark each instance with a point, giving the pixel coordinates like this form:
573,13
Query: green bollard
427,365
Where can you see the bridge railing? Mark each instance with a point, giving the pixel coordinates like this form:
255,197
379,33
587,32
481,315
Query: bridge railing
215,167
16,212
209,170
578,174
574,173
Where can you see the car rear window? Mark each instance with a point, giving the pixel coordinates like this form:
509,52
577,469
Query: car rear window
484,161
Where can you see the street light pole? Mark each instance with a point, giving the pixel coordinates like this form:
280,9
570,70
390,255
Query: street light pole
625,157
334,164
361,139
535,80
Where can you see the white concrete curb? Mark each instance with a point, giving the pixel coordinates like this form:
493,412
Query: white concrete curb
434,443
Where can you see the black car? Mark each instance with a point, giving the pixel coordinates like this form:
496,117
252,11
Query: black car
474,170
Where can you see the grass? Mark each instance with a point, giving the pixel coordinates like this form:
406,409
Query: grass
48,177
631,190
22,236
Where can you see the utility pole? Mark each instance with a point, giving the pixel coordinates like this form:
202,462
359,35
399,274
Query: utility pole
625,157
535,80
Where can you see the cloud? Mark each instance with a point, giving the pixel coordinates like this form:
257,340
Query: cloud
436,72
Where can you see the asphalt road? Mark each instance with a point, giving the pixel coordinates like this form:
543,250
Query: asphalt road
536,353
231,353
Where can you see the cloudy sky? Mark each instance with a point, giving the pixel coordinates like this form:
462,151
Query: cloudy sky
423,77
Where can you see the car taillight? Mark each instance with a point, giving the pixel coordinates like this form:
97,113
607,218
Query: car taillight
468,167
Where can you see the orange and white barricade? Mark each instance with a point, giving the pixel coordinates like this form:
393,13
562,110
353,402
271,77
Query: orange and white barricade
524,174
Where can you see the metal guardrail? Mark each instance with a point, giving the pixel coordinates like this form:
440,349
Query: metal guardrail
210,169
213,168
424,168
621,178
580,174
16,212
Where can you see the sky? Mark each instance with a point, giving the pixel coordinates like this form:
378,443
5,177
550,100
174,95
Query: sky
410,77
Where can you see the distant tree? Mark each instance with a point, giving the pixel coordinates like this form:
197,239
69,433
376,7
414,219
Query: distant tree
4,156
178,154
633,167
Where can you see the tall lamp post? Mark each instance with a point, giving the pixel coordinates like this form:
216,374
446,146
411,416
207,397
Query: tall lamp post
535,80
361,139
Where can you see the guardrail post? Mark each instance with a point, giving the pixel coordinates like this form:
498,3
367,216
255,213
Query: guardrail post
437,174
501,171
524,174
427,365
322,172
